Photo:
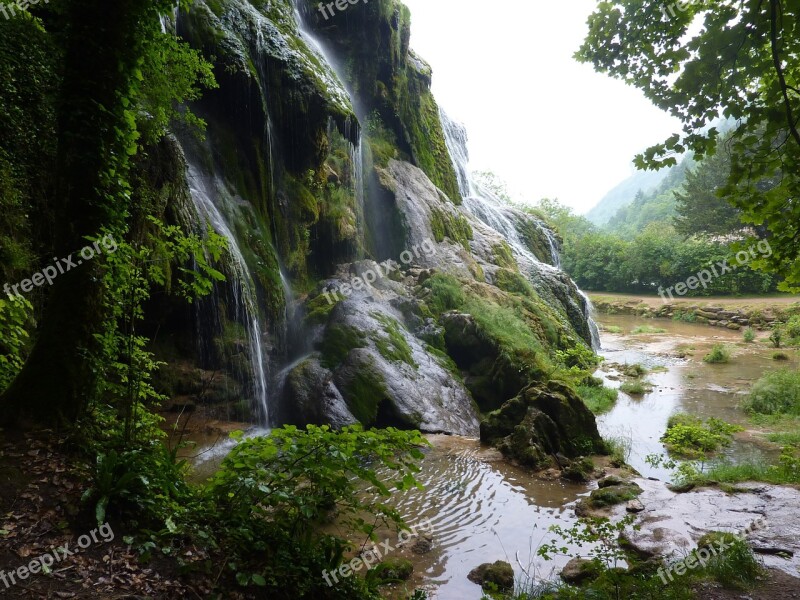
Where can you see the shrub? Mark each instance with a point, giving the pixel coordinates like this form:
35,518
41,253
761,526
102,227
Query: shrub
780,356
793,328
776,337
749,335
272,493
777,392
719,354
690,436
635,370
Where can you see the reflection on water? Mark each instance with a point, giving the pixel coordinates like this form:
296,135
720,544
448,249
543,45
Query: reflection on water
482,510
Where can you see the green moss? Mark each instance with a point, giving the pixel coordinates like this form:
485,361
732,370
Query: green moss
456,227
513,282
318,309
338,342
394,347
364,395
504,257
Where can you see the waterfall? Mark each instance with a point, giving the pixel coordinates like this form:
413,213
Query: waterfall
492,211
208,195
589,312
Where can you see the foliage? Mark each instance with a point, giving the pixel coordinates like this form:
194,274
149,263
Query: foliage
272,493
647,330
14,314
777,392
708,58
600,535
124,364
749,335
776,336
172,74
719,354
691,437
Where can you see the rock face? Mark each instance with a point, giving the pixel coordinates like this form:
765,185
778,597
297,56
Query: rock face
371,368
315,168
541,422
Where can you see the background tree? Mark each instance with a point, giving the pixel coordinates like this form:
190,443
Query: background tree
711,59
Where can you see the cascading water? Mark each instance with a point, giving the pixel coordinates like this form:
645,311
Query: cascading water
489,209
207,194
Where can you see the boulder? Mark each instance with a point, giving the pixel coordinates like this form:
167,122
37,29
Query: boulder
541,422
499,573
580,570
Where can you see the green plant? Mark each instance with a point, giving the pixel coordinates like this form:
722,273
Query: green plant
647,330
272,493
777,392
599,399
719,354
635,388
780,356
793,328
749,335
737,566
14,314
125,365
634,370
776,336
690,436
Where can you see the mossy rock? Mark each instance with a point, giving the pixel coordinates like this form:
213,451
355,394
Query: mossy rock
613,495
393,570
498,575
541,422
338,342
580,470
579,571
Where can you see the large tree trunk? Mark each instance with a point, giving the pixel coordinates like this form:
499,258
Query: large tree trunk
103,46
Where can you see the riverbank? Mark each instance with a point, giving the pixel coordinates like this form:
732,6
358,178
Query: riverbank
758,312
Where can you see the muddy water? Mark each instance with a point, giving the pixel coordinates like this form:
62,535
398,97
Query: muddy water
482,509
682,382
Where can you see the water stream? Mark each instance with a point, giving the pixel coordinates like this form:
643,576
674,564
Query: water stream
209,196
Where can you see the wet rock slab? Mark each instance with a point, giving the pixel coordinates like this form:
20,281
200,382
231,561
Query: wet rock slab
671,523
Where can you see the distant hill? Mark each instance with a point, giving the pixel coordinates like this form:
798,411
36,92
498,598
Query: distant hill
624,194
657,205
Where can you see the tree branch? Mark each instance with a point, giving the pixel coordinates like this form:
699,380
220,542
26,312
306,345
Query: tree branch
776,59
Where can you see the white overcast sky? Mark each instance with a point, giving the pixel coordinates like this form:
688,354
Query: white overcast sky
549,126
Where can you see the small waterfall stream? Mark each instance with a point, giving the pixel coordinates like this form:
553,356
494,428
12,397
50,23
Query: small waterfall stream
208,195
492,211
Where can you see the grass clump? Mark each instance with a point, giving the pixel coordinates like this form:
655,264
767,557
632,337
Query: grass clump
780,356
612,329
776,393
749,335
785,472
647,330
636,388
691,437
785,438
598,399
720,354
